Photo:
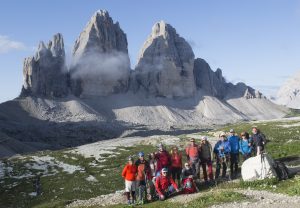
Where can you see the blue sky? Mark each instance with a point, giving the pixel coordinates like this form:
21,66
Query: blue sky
254,41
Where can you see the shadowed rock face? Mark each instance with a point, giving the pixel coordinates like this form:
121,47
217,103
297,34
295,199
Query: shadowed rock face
165,64
211,82
214,84
101,64
45,74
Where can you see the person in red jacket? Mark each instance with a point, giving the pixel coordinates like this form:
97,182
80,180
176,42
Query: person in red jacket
176,164
129,174
163,159
165,185
143,175
193,157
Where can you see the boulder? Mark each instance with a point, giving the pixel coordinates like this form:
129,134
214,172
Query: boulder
165,64
46,74
258,168
101,63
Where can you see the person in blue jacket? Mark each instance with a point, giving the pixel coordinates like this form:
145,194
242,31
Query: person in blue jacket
245,145
234,153
222,154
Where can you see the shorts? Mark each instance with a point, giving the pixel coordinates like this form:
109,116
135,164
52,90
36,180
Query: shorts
130,186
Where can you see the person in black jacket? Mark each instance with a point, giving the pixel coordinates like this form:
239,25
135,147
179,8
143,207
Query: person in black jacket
259,141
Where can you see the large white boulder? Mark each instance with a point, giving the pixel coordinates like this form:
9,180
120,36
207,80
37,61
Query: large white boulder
258,168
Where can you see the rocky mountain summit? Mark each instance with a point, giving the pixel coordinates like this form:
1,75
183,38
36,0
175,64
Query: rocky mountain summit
45,74
101,63
289,93
165,64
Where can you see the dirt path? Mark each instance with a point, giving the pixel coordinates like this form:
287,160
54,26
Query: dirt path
263,199
256,199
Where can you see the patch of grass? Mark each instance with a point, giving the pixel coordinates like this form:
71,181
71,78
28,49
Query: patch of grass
217,197
60,189
293,113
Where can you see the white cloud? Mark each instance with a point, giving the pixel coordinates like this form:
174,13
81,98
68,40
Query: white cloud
7,45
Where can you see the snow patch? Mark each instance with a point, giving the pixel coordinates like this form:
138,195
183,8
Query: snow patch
91,179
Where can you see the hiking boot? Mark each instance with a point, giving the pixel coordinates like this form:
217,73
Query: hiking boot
128,202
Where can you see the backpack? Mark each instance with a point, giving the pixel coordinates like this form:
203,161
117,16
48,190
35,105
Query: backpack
281,170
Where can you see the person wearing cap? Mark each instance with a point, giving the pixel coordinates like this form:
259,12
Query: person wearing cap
193,157
234,153
129,174
163,159
165,185
206,155
176,164
222,155
187,177
245,146
259,141
143,173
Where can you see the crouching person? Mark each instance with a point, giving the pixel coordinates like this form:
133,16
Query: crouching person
165,185
129,174
187,176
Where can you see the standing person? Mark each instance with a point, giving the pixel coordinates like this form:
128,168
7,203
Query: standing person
163,159
143,174
245,146
193,155
222,154
153,168
152,164
234,153
165,185
129,174
176,164
206,155
259,141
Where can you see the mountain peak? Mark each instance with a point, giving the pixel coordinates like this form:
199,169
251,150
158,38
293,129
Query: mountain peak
162,28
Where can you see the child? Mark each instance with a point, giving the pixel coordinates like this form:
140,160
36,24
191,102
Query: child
129,174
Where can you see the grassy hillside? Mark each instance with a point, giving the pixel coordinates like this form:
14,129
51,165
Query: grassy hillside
66,176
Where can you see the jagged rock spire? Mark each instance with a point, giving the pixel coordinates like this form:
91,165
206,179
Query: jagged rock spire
101,63
45,74
165,64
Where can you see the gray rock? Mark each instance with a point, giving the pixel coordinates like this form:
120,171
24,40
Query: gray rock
214,84
45,74
101,63
165,64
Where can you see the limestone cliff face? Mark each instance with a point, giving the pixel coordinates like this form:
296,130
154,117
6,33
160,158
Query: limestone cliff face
101,64
214,84
45,74
165,64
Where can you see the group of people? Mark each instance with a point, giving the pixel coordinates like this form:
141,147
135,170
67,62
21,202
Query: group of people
163,174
